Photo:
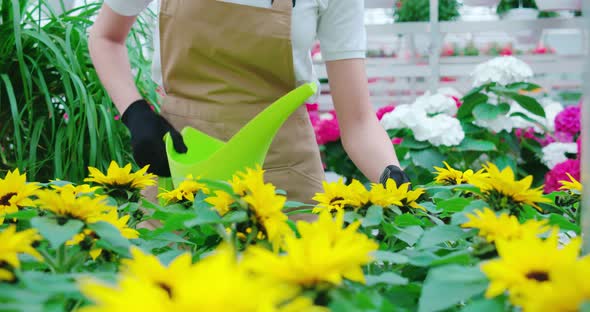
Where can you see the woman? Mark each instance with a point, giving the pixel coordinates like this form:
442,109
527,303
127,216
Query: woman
221,62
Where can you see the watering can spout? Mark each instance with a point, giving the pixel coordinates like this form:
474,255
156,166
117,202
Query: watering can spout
212,159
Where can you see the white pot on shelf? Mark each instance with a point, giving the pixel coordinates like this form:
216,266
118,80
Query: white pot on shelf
559,5
486,3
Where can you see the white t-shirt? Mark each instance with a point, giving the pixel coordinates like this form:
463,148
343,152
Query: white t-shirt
337,24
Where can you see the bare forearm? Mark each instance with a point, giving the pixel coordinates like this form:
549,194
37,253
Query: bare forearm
364,140
369,147
110,57
112,65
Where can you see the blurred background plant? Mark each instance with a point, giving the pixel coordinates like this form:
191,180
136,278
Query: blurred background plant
56,117
419,10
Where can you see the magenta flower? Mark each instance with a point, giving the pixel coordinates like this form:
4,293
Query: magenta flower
397,141
558,173
579,141
384,110
327,130
568,121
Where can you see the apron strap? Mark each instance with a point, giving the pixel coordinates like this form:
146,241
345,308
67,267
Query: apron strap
283,5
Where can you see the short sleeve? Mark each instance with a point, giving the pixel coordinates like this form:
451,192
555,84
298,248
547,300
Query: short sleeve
128,7
341,30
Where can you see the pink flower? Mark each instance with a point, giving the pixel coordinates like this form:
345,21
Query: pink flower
560,136
579,141
568,120
384,110
397,141
314,116
558,173
117,117
457,101
66,117
327,130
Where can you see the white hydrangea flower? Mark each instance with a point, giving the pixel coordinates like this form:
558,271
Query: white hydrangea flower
552,109
554,153
403,116
502,70
502,122
436,104
446,130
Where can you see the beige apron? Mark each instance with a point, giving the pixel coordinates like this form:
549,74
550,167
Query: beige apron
222,64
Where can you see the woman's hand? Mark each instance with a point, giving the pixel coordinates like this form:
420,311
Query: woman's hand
363,138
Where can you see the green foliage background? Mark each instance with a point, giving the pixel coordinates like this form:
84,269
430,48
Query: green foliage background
55,117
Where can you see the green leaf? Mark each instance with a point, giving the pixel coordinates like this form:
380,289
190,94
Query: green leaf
235,217
529,104
111,235
563,223
449,285
351,216
470,144
485,111
388,278
503,108
440,234
374,216
408,219
469,103
410,234
454,204
55,233
527,86
427,158
486,305
462,257
412,143
389,257
205,215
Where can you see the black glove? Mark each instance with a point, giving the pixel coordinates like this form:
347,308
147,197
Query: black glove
147,132
395,173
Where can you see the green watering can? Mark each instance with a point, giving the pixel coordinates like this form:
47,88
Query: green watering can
212,159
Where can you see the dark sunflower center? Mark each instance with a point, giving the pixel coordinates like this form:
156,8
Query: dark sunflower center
538,276
5,200
335,199
167,288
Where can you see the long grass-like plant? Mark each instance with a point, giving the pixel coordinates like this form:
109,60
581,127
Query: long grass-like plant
55,116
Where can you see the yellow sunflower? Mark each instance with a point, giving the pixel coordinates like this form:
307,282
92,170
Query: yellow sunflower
12,244
121,178
572,185
268,211
182,286
67,205
15,193
75,189
325,254
392,195
242,182
451,176
503,184
568,290
337,196
526,263
503,227
333,199
186,191
222,202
